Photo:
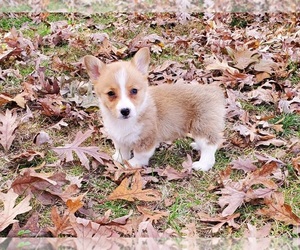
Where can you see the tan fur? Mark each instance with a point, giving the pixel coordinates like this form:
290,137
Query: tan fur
181,109
163,113
106,82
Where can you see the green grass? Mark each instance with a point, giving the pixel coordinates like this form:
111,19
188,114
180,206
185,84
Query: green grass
290,122
7,23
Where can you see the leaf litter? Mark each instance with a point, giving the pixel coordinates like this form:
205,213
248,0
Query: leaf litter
54,103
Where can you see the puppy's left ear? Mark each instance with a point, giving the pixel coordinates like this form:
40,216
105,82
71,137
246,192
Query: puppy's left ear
141,60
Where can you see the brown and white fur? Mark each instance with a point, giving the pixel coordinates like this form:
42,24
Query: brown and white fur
137,117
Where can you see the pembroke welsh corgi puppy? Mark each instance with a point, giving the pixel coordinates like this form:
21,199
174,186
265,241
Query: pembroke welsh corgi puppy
137,117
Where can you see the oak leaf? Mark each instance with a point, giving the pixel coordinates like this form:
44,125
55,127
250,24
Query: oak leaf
46,187
131,191
7,129
66,152
88,229
244,164
221,220
11,210
243,57
277,209
234,194
30,229
62,225
151,215
18,99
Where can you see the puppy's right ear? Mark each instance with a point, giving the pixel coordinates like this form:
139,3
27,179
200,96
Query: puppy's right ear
94,67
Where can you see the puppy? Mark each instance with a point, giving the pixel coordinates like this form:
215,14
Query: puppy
137,117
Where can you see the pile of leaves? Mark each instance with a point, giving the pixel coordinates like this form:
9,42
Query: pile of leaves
57,176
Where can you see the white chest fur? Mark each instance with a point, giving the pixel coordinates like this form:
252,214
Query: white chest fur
122,131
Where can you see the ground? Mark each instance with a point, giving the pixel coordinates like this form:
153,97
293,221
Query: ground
254,58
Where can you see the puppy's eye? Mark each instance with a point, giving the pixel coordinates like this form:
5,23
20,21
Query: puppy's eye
111,93
133,91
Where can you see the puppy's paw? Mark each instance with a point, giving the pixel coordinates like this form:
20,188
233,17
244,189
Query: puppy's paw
203,166
195,146
133,162
117,157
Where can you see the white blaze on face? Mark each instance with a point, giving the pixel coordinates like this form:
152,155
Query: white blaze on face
124,101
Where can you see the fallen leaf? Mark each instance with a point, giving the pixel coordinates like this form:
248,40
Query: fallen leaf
7,129
273,141
277,209
62,225
172,173
28,155
66,152
128,192
31,228
151,215
261,233
296,164
11,209
243,164
243,57
223,66
18,99
88,229
220,220
46,187
60,124
75,203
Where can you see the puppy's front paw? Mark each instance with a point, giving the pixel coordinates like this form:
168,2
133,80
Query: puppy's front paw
134,163
195,146
203,166
117,157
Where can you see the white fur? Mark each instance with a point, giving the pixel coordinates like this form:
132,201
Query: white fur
124,102
141,159
208,151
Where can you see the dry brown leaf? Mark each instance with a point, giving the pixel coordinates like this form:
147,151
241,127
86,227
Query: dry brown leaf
18,99
172,173
11,209
7,129
223,66
261,233
28,155
46,187
244,164
221,220
243,57
31,227
88,229
131,191
152,216
62,225
296,164
66,152
277,209
117,171
234,194
75,203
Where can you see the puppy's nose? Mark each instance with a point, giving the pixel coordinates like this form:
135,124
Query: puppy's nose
125,112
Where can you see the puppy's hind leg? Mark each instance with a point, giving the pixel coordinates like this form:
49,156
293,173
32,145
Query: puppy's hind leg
207,159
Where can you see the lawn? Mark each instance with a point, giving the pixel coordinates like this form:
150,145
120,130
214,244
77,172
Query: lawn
48,107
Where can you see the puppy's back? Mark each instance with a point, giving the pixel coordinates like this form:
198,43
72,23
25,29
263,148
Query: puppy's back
183,108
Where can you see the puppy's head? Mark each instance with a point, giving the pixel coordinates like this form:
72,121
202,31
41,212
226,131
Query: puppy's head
120,86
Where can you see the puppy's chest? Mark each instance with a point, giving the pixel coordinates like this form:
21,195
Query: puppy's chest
122,131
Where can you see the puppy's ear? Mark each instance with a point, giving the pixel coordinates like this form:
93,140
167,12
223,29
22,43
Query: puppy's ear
141,60
93,66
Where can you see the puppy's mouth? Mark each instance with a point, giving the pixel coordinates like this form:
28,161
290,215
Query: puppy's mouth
125,117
